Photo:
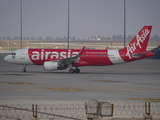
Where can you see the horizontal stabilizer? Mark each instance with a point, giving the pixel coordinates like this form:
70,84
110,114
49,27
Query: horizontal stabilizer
136,55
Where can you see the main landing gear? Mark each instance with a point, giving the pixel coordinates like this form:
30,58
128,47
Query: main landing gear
24,69
74,71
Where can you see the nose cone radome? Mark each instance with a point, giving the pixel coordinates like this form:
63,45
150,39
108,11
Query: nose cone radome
6,58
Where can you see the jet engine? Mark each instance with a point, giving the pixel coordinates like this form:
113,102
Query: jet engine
53,66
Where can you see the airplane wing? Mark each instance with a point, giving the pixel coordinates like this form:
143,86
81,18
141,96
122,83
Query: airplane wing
70,60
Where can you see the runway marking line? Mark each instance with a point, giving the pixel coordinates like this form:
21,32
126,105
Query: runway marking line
64,89
20,83
104,81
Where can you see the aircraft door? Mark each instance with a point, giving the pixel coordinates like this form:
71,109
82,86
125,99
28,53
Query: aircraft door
22,55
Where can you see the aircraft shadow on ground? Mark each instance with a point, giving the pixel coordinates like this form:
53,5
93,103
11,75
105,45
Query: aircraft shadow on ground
81,73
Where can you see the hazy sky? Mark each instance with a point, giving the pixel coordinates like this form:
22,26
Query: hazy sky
87,17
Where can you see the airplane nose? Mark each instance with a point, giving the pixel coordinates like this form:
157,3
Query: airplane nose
6,58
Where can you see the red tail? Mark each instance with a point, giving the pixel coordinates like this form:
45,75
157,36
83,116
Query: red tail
140,42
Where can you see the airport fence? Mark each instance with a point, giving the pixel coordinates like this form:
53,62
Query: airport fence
79,111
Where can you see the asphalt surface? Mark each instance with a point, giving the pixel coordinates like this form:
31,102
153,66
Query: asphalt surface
138,80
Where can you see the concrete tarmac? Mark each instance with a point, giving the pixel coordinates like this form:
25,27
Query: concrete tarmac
138,80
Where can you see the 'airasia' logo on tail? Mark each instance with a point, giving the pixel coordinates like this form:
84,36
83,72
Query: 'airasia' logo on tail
140,39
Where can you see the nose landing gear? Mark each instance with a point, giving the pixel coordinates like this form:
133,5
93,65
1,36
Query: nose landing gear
24,69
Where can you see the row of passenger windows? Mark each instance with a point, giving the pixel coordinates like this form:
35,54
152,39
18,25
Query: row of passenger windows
93,55
96,55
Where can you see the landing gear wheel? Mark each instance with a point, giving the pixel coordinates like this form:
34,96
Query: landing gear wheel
24,70
77,70
71,71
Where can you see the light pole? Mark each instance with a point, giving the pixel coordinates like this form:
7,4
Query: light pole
124,23
68,24
21,20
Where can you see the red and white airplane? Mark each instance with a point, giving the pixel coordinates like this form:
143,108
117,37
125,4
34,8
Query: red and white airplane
59,59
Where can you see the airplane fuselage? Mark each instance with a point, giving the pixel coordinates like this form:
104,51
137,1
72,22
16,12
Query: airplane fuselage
88,58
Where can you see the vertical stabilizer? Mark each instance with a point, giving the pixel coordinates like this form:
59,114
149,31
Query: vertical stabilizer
140,41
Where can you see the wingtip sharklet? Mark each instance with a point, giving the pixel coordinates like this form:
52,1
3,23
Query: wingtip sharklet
80,53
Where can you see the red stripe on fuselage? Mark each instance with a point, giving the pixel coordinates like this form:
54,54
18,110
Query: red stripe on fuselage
89,57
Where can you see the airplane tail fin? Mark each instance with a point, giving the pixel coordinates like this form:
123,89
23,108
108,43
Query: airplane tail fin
140,42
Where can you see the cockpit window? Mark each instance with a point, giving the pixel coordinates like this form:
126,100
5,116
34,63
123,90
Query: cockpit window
13,53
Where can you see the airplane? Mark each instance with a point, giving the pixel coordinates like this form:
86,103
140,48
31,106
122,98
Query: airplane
59,59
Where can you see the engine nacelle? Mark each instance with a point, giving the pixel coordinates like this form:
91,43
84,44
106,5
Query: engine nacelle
51,65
